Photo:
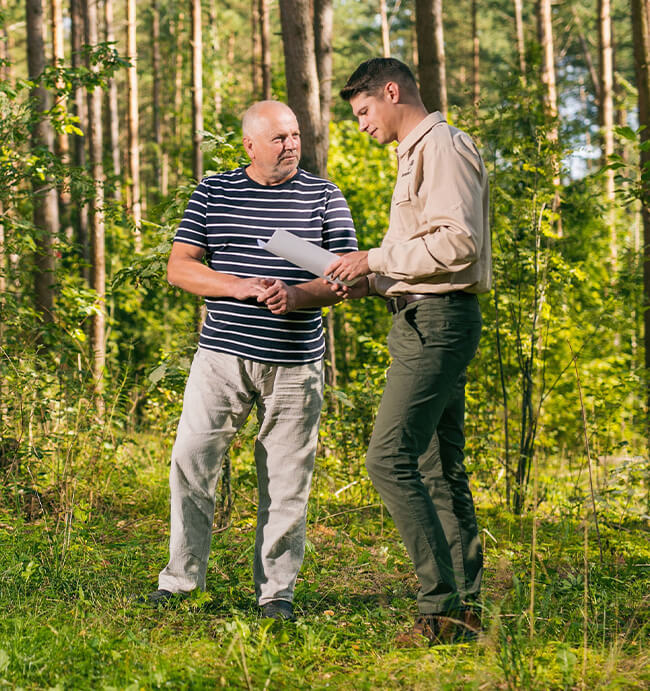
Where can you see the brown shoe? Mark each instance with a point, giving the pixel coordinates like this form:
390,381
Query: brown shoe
431,629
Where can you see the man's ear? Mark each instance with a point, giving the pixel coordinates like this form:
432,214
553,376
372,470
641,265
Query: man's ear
248,146
392,92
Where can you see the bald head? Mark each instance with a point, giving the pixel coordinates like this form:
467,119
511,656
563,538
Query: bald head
258,117
271,138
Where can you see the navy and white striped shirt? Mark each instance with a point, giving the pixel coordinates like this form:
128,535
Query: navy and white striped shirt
226,215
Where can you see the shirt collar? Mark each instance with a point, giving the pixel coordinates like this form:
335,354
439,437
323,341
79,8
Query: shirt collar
418,132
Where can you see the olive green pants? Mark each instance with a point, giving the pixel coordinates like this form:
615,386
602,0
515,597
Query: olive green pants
415,457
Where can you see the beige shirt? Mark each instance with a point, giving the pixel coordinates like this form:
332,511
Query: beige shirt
438,238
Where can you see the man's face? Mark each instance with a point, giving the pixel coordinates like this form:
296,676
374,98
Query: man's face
376,115
274,145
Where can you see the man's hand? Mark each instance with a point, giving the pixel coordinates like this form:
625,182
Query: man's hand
357,290
246,288
349,266
278,296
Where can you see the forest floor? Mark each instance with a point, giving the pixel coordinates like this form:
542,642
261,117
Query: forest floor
71,565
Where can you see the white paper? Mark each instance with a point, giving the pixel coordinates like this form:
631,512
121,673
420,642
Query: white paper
304,254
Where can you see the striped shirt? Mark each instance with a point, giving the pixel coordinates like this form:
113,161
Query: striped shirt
226,215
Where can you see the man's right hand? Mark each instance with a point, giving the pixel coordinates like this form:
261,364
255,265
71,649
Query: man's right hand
245,288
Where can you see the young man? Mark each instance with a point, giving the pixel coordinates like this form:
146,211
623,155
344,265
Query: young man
261,345
433,260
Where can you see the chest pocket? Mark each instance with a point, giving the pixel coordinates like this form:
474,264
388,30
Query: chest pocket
401,193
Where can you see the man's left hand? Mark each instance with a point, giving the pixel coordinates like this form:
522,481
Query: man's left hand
349,267
278,297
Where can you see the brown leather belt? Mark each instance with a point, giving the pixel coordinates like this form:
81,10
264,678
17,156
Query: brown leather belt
398,303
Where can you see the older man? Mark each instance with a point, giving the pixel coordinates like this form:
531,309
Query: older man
261,345
434,259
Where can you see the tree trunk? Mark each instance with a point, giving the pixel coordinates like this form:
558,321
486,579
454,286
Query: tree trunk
216,84
134,123
44,200
519,29
178,95
156,95
606,116
545,30
62,146
98,260
113,111
323,23
431,54
197,90
385,29
4,43
302,80
476,58
641,37
256,50
78,142
265,35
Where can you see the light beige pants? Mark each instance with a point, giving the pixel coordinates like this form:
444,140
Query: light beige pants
221,391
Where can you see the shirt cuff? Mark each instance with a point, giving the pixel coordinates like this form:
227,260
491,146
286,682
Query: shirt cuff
376,260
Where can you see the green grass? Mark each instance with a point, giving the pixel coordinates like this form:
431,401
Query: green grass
69,570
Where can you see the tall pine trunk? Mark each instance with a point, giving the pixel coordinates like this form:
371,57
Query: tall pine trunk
303,87
197,90
62,146
545,32
606,116
476,93
265,47
519,31
641,36
44,198
156,105
98,259
134,122
431,54
385,29
256,51
112,109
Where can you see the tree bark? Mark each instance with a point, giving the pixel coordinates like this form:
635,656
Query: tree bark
323,24
256,50
78,142
302,80
61,144
197,90
134,122
385,29
640,15
98,259
113,111
431,54
606,116
216,82
4,43
545,30
156,94
265,47
178,95
475,58
44,200
519,30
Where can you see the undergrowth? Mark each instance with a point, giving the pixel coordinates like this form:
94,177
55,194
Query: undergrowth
69,572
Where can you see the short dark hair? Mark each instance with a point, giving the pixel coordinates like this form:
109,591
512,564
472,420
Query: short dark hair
373,74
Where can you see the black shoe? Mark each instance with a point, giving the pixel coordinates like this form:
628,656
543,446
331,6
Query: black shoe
281,610
161,598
